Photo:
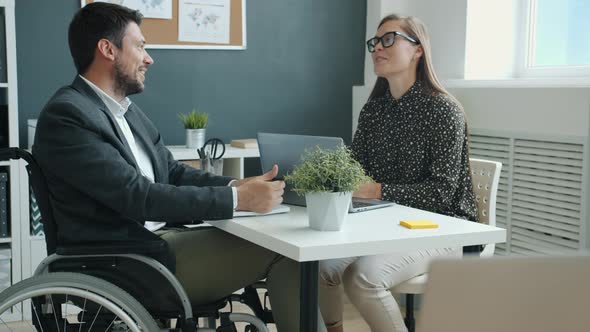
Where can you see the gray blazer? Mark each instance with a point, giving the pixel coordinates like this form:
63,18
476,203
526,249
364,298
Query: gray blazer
96,188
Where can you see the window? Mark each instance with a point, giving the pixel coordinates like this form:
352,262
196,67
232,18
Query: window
490,44
561,33
507,39
558,42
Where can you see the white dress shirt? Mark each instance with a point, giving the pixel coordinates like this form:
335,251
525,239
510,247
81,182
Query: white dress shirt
118,109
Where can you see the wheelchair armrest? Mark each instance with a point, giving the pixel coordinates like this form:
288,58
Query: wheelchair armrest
112,248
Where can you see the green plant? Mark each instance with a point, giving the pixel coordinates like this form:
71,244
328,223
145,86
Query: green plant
324,170
194,119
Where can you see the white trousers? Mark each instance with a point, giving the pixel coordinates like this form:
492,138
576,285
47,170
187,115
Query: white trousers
367,281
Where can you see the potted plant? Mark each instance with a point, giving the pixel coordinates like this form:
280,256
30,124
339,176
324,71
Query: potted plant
195,124
327,178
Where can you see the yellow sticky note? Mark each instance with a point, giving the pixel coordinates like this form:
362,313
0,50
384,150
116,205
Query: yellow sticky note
415,224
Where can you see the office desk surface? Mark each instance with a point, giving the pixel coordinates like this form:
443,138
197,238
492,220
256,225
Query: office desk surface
364,233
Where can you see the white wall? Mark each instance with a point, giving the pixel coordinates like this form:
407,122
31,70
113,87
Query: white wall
490,48
376,9
551,111
445,21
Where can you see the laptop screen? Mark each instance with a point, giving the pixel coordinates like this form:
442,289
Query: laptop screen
286,151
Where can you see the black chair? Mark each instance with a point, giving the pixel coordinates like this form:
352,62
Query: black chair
134,268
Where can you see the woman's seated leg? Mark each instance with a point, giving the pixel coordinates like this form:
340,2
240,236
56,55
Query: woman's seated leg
367,282
331,291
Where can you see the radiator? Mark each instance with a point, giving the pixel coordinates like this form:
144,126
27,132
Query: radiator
541,197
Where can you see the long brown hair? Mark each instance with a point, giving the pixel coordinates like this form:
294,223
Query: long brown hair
425,73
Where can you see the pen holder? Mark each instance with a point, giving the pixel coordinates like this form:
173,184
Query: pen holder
213,166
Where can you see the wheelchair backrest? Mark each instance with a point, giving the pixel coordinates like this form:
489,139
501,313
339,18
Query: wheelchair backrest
39,185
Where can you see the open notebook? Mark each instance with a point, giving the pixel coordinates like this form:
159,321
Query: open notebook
277,209
240,214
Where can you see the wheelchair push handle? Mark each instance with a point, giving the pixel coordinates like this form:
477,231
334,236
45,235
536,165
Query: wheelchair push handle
15,154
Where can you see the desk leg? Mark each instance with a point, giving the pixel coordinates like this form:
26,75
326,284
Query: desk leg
308,296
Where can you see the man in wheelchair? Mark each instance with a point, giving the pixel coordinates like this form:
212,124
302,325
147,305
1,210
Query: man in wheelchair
112,182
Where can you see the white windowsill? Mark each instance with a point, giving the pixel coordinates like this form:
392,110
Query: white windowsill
575,82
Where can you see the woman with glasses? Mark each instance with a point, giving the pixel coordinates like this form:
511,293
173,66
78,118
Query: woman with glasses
412,140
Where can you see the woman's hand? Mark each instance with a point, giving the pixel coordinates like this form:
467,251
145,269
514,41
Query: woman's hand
371,190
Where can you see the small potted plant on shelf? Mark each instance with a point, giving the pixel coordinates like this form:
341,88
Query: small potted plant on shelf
195,124
327,178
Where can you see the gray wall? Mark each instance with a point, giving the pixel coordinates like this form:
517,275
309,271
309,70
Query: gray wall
296,76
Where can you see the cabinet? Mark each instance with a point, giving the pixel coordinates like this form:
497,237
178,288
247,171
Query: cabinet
10,244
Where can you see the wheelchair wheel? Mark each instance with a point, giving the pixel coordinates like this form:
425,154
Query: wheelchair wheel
250,328
64,301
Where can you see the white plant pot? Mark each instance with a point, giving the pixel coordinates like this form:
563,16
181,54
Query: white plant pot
327,211
195,138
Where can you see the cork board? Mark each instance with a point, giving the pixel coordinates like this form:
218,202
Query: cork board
163,33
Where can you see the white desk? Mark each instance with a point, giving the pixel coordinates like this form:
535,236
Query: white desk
233,159
365,233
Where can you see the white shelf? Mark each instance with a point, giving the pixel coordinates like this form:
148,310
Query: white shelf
181,152
19,209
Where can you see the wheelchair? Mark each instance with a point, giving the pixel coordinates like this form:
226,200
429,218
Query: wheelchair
113,287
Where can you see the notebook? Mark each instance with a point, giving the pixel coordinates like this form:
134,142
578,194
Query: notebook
277,209
286,151
244,143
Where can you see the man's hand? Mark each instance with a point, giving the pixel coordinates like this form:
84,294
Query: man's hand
268,176
371,190
259,193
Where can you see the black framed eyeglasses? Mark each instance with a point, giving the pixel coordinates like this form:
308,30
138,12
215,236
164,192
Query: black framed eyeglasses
387,40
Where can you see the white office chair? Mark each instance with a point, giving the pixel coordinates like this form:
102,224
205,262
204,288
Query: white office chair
486,176
508,294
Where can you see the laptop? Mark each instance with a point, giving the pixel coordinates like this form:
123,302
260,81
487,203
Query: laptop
507,294
286,151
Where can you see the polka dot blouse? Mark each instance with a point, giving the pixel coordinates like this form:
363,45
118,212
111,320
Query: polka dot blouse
417,148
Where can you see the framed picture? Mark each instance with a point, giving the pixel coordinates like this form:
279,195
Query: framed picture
190,24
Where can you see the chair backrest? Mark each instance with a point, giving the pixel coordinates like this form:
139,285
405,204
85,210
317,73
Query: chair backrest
485,175
39,186
507,294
